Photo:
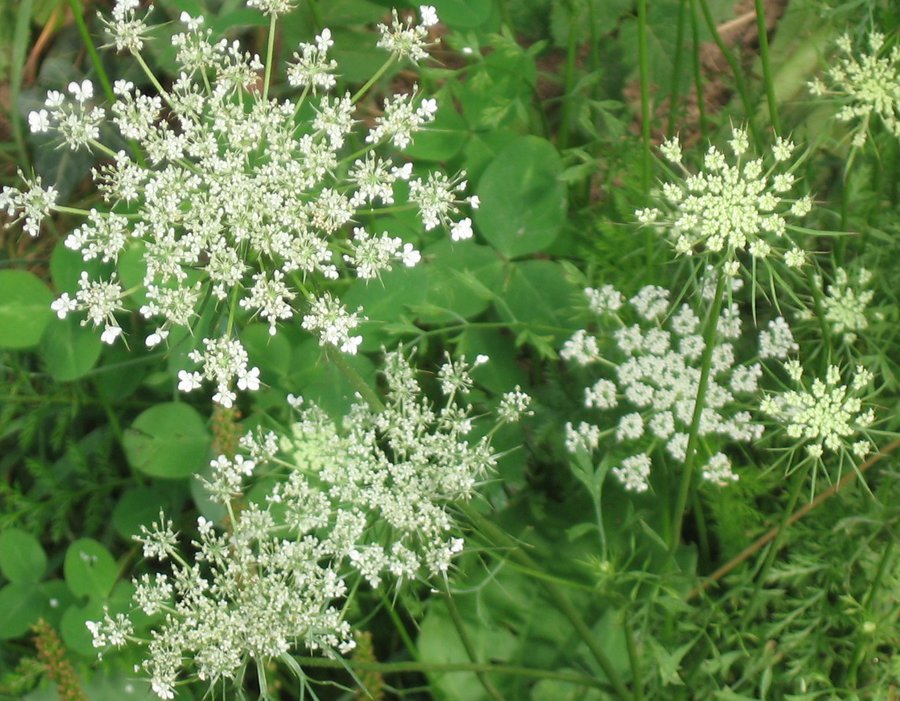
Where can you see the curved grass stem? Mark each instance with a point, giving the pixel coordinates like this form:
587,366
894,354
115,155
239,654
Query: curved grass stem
768,78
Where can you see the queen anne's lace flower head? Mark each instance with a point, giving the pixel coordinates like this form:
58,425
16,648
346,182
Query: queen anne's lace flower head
825,415
734,204
232,196
845,302
867,86
368,497
653,387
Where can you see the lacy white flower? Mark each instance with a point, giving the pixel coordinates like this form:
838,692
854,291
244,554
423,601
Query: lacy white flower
845,302
825,415
225,190
405,39
867,86
31,205
733,205
655,381
368,497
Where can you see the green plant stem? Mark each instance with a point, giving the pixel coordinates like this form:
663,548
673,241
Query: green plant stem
859,650
644,70
439,667
152,78
770,535
568,89
354,378
796,488
698,74
735,68
91,49
768,78
675,90
270,53
634,659
19,51
408,642
371,81
460,626
690,453
562,603
702,532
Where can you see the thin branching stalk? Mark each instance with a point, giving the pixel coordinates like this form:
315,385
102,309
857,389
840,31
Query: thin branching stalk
768,78
861,645
460,626
270,53
371,81
569,85
634,659
770,535
438,667
20,47
496,535
690,453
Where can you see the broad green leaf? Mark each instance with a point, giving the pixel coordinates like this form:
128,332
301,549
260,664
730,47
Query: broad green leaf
444,137
138,506
57,598
24,308
463,14
167,440
538,293
69,349
67,265
21,605
523,201
89,569
22,559
73,629
271,354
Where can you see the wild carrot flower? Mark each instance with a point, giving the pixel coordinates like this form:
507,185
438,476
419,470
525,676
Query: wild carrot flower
230,198
867,86
368,497
735,204
825,415
652,357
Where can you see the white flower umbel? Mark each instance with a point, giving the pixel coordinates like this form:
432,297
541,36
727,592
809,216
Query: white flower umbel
736,203
654,358
845,302
867,87
225,191
825,415
368,498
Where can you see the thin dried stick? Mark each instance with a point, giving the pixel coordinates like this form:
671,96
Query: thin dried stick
768,537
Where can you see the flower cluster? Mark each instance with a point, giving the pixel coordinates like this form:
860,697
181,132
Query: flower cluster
367,497
845,302
229,197
825,415
653,383
868,86
733,205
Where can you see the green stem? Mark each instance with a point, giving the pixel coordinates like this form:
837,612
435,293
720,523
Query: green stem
408,642
698,74
21,40
270,52
643,67
675,90
690,453
562,603
794,496
354,378
438,667
859,651
152,78
91,49
634,659
569,81
371,81
768,78
735,68
467,643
